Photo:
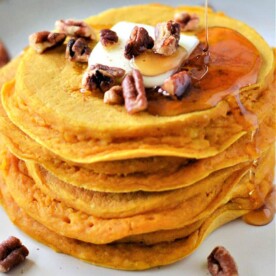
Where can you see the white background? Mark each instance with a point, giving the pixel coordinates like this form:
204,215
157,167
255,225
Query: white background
252,247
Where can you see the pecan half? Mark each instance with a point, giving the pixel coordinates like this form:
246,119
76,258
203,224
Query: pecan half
108,37
75,28
134,92
44,40
4,56
77,49
114,95
176,85
138,42
167,35
12,253
187,22
101,77
221,263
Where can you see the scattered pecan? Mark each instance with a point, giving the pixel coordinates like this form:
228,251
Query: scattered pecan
12,253
176,85
108,37
167,35
4,56
75,28
187,22
221,263
44,40
138,42
77,49
114,95
101,77
134,92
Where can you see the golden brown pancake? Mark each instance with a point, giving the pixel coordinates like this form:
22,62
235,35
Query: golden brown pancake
39,104
120,256
114,205
247,148
56,215
137,191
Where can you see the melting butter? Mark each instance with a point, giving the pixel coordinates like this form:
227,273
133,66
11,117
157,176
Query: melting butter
156,69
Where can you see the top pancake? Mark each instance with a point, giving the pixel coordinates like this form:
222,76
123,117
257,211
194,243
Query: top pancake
46,103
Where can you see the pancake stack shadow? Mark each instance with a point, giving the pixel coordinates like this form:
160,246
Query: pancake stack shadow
121,191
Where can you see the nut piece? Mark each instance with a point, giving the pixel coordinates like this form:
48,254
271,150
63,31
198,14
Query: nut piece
138,43
108,37
77,49
176,85
221,263
188,22
75,28
134,92
44,40
114,95
101,77
12,253
167,35
4,56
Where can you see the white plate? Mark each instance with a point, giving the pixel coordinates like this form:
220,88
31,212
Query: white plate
252,247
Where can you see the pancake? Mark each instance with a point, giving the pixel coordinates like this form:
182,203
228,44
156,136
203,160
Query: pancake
18,111
114,205
73,223
120,256
142,190
249,147
39,104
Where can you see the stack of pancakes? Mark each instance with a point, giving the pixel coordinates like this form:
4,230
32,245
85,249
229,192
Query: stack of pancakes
130,191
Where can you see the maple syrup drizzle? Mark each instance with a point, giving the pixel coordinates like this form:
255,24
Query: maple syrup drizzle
265,214
206,48
234,63
255,162
247,119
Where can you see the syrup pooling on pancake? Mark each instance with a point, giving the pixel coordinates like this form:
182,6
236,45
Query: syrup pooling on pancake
161,131
234,63
60,189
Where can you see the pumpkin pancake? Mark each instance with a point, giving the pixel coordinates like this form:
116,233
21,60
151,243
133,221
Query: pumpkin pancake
76,224
39,104
30,148
106,150
130,256
113,205
247,148
138,191
71,222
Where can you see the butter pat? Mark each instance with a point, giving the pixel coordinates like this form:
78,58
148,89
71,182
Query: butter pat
114,55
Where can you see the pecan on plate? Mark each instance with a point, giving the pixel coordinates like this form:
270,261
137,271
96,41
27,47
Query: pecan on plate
44,40
167,35
4,56
77,49
134,92
176,85
12,253
114,95
188,22
221,263
75,28
138,42
108,37
101,77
